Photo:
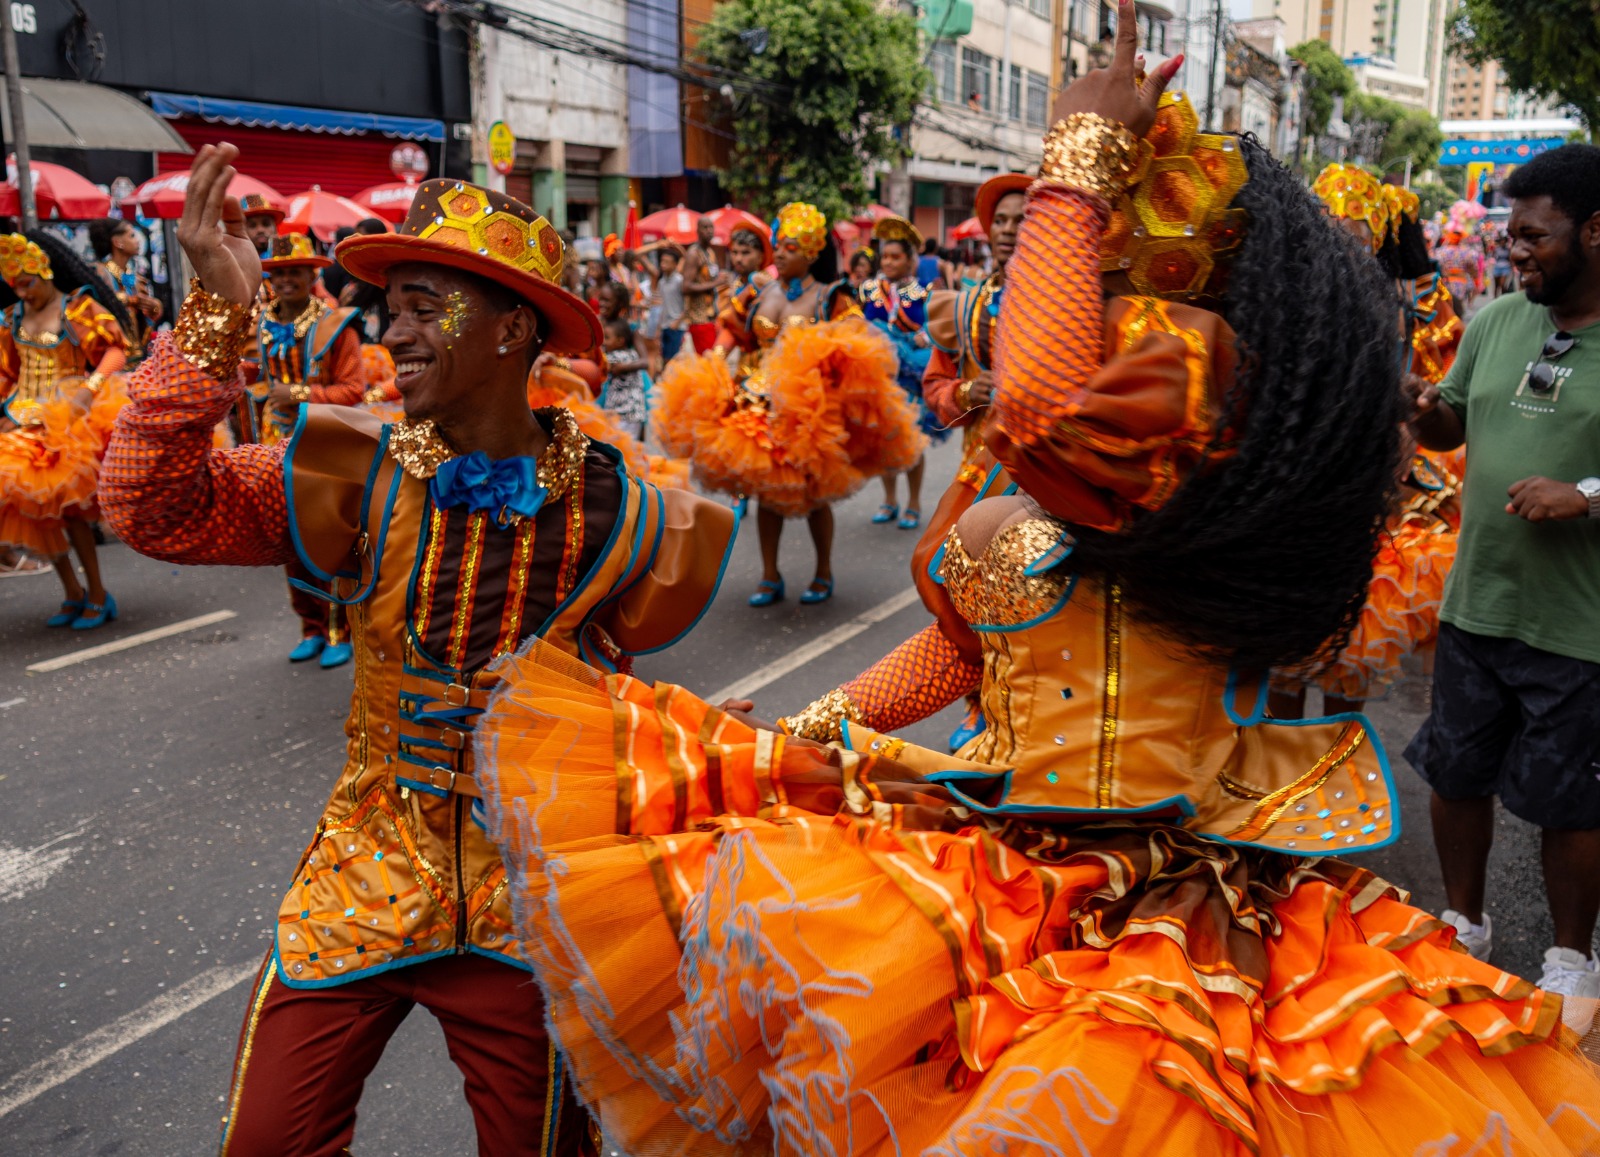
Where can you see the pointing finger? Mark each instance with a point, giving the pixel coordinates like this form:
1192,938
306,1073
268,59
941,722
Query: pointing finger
1127,38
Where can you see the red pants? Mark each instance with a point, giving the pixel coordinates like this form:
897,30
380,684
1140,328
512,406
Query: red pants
317,616
305,1053
703,335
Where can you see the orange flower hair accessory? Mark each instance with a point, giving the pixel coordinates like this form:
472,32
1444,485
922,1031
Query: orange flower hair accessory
1404,206
19,257
1353,194
1172,228
804,225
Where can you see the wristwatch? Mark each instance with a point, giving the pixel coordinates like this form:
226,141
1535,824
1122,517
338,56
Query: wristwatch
1590,489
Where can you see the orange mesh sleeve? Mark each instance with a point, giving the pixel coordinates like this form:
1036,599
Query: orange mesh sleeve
920,676
939,384
1049,340
169,494
346,377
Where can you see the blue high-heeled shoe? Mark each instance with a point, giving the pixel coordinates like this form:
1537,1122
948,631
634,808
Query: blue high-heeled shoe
810,597
307,648
911,519
767,593
887,512
335,655
67,615
96,615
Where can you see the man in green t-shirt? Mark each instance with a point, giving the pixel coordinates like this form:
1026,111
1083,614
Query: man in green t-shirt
1516,692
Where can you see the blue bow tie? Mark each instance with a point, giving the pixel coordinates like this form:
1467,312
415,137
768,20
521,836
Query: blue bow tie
507,487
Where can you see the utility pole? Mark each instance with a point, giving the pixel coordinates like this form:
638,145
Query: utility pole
19,127
1211,77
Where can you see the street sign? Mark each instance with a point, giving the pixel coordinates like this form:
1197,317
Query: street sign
946,19
502,147
408,162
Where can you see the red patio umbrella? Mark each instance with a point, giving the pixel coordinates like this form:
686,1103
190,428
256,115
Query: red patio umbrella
846,238
969,230
321,214
57,192
391,201
670,225
726,219
162,197
871,215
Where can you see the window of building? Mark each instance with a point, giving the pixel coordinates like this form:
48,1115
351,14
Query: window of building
1152,33
1040,8
977,73
1014,94
1086,18
942,60
1038,99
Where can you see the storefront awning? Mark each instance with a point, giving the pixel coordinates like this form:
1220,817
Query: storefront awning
286,116
68,114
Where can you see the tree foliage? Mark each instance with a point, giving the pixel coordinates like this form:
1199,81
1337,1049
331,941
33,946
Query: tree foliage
1326,79
852,73
1434,197
1550,48
1386,133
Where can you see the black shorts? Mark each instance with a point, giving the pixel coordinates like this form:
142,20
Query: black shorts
1514,721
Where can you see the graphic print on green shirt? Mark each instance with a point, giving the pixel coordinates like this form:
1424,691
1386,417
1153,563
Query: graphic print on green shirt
1534,581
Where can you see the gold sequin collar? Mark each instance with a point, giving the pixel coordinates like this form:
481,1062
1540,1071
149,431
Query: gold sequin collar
309,316
420,449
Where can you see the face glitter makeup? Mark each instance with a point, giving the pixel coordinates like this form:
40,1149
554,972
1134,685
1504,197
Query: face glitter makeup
455,314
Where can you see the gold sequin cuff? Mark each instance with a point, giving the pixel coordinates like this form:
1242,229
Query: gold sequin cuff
964,396
211,331
820,721
1088,152
94,381
299,392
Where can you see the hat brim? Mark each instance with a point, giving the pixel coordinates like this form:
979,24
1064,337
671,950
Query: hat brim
995,190
268,264
571,326
275,214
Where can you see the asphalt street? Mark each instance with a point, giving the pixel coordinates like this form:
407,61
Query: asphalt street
154,800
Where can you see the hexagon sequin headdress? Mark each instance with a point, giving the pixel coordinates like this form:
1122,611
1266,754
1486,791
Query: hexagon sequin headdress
1173,227
804,225
1353,194
19,256
484,232
289,250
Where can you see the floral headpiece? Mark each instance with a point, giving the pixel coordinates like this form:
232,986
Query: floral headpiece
1353,194
19,256
1404,206
804,225
1172,228
898,229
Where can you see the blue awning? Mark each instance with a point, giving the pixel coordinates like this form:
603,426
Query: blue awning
288,116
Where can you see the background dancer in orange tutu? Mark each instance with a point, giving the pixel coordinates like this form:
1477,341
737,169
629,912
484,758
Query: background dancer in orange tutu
1112,923
62,347
809,414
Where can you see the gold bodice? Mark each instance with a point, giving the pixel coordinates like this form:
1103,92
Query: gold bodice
750,378
1089,708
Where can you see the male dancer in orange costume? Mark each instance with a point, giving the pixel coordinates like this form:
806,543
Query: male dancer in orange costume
455,535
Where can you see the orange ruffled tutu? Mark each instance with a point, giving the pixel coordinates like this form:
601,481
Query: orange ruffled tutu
601,425
833,417
749,945
51,468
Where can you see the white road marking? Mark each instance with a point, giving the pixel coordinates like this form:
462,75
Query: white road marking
131,641
42,1076
18,701
24,870
821,645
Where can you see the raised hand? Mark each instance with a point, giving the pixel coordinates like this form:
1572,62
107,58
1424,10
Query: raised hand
211,229
1117,93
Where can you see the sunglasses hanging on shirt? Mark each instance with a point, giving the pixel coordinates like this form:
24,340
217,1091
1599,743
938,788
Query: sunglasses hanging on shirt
1542,378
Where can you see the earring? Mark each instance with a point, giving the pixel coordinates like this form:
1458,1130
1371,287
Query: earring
504,351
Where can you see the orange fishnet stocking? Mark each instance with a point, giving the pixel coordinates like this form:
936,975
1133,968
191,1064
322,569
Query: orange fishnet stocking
920,676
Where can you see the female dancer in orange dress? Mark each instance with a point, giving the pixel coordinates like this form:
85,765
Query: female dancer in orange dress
62,348
1110,924
811,412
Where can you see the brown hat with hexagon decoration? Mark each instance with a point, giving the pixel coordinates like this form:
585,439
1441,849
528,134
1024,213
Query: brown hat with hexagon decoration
481,231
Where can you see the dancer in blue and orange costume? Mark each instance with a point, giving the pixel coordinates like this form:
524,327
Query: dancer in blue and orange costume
897,303
958,385
1401,614
62,349
308,351
455,534
1112,923
810,413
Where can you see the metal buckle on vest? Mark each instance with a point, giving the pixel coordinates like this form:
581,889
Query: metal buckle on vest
456,695
449,783
453,739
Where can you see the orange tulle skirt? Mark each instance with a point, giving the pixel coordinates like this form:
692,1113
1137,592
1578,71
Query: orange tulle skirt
831,418
50,469
752,945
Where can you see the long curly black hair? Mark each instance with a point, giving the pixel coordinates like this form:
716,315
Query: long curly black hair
71,273
1264,560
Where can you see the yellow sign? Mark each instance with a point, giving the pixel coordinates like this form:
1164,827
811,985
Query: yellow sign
502,147
1477,173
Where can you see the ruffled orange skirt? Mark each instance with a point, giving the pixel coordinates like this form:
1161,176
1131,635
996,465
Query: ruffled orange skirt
832,418
751,945
50,469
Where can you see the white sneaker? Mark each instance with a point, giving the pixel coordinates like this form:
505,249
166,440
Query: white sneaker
1576,978
1476,939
